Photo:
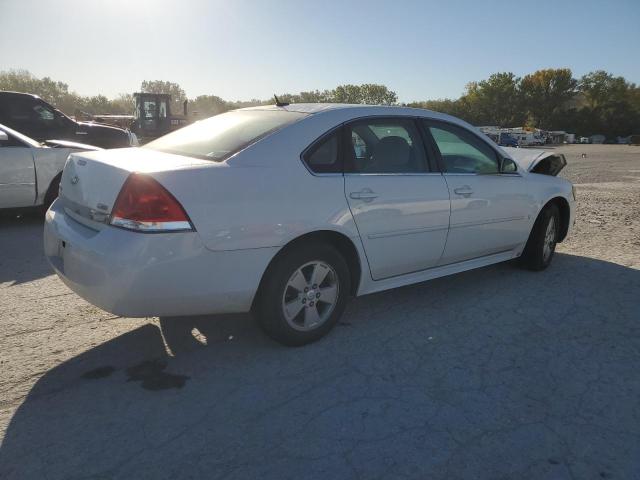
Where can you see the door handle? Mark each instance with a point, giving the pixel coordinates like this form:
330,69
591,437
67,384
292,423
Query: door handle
367,195
465,191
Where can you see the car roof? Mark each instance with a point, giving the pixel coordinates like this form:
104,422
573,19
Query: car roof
359,110
312,108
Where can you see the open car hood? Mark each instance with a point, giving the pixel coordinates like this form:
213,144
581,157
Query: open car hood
545,162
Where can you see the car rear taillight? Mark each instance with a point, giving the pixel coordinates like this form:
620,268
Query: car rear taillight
146,206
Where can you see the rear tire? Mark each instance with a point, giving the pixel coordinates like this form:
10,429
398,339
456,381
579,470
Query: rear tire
541,245
303,294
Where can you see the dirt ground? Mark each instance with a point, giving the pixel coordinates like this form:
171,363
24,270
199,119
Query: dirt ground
495,373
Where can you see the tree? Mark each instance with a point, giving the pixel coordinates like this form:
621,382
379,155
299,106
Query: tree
546,93
450,107
208,105
495,101
551,99
368,93
56,93
601,88
312,96
609,106
373,94
123,104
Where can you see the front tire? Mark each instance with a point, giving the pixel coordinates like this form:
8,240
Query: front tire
541,245
303,294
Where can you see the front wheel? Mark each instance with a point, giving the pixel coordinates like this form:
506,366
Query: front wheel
541,246
303,294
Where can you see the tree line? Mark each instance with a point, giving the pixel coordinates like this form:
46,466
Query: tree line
550,99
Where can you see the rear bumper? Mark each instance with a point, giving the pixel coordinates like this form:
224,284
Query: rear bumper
142,275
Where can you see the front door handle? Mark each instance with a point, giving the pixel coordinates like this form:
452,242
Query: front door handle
465,191
366,194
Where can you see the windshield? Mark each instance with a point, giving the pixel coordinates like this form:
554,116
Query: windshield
219,137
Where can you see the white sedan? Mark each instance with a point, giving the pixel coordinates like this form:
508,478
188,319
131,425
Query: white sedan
30,171
288,210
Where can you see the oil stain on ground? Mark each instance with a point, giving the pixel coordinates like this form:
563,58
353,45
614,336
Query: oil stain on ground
153,377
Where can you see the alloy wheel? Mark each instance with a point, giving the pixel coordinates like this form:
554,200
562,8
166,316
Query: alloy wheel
549,239
310,295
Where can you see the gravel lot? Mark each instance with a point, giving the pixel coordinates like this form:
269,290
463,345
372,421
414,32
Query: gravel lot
496,373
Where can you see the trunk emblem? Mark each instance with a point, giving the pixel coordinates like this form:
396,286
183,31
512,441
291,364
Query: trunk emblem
74,180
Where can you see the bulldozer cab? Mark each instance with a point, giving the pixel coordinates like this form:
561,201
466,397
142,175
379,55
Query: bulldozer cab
152,116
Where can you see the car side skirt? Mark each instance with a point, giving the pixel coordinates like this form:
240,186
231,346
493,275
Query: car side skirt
367,285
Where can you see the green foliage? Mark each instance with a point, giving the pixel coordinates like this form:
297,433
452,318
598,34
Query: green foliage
497,100
58,94
550,99
367,94
205,106
547,93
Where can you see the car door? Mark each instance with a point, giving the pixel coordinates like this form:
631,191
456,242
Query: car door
17,173
490,209
400,204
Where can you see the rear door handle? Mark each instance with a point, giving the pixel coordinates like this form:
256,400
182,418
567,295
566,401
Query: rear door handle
366,194
465,191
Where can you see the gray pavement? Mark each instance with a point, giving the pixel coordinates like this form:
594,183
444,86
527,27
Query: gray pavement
495,373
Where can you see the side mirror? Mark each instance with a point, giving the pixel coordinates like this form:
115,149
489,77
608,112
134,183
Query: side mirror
509,166
3,136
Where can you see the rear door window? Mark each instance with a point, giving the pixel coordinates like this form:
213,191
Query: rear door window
384,145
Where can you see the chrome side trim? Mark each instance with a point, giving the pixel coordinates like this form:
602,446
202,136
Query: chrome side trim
416,174
487,222
411,231
454,174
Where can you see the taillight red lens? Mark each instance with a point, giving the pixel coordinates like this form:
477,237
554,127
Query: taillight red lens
145,205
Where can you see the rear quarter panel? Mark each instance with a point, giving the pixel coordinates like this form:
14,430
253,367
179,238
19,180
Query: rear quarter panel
264,196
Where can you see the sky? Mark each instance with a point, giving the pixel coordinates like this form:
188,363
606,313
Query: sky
241,49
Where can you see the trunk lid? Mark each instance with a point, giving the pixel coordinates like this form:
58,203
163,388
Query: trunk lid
91,181
535,160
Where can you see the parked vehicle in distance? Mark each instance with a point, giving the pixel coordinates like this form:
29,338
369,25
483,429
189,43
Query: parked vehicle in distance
34,117
30,171
506,140
529,139
273,209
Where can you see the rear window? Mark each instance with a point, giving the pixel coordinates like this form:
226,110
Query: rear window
219,137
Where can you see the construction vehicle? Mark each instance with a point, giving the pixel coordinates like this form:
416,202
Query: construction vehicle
153,118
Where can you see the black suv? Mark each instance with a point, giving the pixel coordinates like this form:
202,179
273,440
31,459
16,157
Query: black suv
32,116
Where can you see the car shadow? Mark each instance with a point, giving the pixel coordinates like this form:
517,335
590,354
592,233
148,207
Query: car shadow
486,373
22,258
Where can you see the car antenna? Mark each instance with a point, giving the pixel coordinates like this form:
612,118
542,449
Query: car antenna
279,103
